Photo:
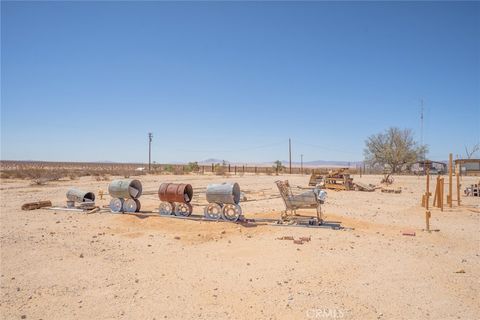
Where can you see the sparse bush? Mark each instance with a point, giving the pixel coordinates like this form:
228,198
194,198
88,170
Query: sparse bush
168,168
192,167
220,169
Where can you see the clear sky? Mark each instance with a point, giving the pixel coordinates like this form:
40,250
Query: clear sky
87,81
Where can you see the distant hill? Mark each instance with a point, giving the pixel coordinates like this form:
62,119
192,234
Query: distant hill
315,163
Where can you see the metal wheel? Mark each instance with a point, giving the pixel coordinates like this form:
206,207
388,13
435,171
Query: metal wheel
129,205
116,205
183,209
213,211
138,205
166,208
231,212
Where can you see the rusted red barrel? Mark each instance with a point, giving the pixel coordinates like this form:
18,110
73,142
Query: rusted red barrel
175,192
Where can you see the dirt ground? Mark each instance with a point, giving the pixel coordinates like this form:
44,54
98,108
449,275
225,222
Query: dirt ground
68,265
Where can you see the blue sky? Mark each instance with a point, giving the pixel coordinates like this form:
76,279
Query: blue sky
87,81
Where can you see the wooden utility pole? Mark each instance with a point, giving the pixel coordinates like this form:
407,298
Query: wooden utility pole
290,153
301,163
150,136
450,169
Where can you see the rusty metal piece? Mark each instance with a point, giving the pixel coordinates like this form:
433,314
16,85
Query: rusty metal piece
116,204
125,188
213,211
175,192
165,208
80,195
36,205
231,212
183,209
228,193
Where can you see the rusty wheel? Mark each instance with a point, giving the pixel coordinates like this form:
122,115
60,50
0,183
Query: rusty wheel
213,211
116,205
231,212
183,209
165,208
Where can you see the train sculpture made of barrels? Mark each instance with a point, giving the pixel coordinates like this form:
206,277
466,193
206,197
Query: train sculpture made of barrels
223,200
125,194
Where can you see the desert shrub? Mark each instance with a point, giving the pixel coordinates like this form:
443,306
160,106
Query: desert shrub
220,169
168,168
178,170
192,167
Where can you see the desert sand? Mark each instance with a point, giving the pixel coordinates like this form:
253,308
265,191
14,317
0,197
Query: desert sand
69,265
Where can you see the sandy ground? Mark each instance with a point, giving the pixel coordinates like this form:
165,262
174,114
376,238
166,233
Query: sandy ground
69,265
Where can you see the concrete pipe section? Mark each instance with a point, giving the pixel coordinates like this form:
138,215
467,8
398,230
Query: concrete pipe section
223,201
175,199
125,194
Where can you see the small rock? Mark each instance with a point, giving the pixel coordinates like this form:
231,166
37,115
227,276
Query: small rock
81,255
460,271
176,238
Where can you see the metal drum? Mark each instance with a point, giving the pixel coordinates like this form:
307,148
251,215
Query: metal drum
175,192
225,193
80,196
125,188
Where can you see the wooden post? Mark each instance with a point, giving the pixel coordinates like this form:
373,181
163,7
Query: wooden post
458,184
427,220
235,170
440,194
212,168
427,193
450,182
229,168
435,196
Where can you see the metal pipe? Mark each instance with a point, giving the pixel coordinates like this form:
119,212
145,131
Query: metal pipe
125,188
228,193
80,196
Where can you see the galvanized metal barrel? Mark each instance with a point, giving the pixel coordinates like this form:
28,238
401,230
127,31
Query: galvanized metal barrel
228,193
175,192
125,188
80,195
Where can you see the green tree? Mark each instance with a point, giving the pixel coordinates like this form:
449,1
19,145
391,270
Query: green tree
393,149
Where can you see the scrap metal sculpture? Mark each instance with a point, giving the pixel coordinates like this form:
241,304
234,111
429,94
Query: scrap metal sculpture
175,199
305,200
223,202
125,194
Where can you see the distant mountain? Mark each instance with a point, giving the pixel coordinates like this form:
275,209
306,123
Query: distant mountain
315,163
212,160
326,163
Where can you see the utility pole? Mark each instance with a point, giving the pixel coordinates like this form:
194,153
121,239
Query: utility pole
290,153
301,163
150,136
421,127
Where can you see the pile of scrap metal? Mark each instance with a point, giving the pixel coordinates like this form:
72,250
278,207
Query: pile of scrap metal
335,179
473,190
